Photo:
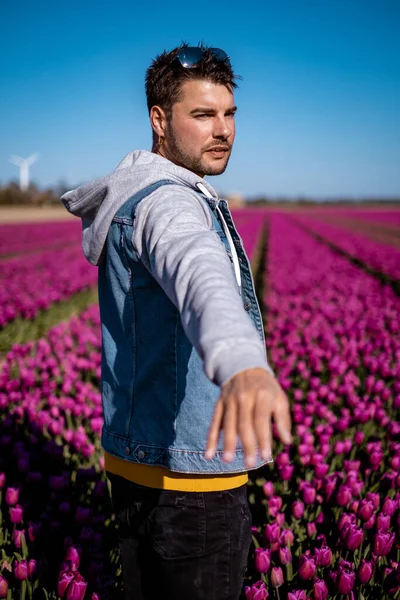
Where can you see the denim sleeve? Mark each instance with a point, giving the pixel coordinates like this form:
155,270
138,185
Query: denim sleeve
174,238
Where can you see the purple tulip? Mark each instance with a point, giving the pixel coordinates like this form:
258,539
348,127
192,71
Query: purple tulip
2,483
64,579
33,568
34,531
309,494
383,521
285,555
375,499
389,507
297,595
287,537
343,495
311,529
18,535
321,469
353,538
262,560
276,576
274,505
323,556
73,553
365,510
370,523
16,514
359,437
77,588
307,567
345,580
365,571
268,489
320,589
12,496
298,509
383,542
257,591
21,570
272,532
3,587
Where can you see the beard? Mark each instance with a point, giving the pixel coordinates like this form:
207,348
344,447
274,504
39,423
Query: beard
192,162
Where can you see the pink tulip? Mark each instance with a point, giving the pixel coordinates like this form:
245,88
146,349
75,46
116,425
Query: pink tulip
383,542
389,507
21,570
297,595
320,589
298,509
287,537
16,514
77,588
345,580
383,521
365,510
12,496
353,537
323,556
285,555
276,576
262,560
73,553
257,591
307,567
272,532
3,587
365,571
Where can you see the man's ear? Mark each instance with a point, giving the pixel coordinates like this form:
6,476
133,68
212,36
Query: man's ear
158,120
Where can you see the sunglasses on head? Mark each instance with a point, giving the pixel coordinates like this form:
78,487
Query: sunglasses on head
189,57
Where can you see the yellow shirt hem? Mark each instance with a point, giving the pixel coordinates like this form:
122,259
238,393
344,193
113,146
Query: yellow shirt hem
162,478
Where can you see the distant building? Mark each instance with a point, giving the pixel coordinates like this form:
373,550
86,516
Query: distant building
235,200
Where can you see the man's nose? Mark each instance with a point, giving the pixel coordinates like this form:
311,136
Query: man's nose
222,128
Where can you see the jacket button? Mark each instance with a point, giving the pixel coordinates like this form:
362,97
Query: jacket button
141,454
247,306
127,450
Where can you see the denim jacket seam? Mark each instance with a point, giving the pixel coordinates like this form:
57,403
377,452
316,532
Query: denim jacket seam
176,369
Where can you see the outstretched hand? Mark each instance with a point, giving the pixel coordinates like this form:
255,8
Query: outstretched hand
245,407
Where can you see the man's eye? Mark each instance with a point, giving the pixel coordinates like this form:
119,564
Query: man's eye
200,116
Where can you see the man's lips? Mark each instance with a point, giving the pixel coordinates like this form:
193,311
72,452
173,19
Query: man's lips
218,152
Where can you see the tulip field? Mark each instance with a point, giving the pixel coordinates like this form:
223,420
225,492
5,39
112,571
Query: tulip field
326,512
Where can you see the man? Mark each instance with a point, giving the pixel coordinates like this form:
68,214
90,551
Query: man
187,392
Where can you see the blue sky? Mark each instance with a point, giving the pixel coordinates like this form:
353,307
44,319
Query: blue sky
319,104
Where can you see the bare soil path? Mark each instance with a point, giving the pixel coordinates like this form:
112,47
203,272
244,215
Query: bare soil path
26,214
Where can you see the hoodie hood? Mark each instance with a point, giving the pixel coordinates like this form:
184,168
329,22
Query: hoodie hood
97,201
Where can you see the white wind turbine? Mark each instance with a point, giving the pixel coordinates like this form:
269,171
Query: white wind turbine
24,164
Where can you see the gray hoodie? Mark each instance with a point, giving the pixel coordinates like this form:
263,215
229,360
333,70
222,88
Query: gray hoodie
174,237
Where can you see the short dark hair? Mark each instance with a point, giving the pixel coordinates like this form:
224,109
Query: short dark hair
165,76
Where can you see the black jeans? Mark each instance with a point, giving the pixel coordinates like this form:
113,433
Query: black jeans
181,545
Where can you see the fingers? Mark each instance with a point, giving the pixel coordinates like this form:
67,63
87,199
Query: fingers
230,432
282,418
245,430
213,432
263,429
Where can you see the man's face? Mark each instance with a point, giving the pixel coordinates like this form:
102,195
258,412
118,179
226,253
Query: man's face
200,133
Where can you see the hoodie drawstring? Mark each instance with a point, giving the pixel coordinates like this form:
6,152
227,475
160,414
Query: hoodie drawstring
236,265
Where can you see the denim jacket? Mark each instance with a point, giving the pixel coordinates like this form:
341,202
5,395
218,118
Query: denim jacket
159,385
158,403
